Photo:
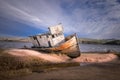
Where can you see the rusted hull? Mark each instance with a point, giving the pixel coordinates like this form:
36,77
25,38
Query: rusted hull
65,45
70,47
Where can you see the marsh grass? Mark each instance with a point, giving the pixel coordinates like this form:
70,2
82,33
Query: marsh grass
13,66
14,73
53,66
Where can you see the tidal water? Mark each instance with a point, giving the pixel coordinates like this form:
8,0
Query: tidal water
83,47
99,48
4,44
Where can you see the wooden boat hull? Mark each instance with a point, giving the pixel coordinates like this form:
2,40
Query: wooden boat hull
70,47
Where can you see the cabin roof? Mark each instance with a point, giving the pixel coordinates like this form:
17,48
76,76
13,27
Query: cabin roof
52,30
47,33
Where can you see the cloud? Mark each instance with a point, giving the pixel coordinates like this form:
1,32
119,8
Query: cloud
88,18
94,19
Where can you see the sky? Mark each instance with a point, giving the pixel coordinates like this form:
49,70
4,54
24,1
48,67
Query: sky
99,19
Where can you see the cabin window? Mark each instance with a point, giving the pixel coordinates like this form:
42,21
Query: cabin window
47,36
59,33
53,36
34,38
40,36
56,35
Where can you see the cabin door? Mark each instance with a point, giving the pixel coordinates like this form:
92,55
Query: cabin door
49,44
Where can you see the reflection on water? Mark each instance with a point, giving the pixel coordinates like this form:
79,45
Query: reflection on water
84,63
83,47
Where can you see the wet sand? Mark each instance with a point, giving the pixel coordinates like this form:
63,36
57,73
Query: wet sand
97,71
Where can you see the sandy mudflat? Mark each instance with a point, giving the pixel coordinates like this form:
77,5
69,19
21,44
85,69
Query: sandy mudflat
101,71
85,57
53,58
99,67
95,57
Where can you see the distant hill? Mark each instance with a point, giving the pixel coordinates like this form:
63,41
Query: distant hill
19,39
99,41
117,42
81,40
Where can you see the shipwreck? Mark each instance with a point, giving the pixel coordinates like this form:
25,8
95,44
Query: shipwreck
55,41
